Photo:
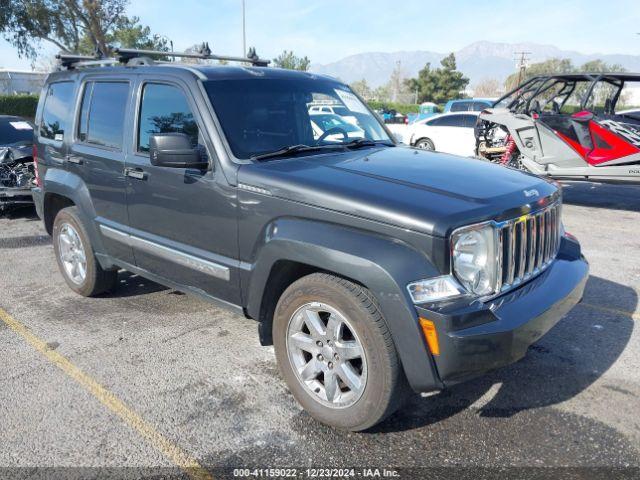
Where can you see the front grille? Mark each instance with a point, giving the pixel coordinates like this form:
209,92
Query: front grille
527,245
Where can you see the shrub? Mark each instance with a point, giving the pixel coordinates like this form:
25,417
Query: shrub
20,105
398,107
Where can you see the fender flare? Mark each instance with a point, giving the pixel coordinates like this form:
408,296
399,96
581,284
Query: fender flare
71,186
382,264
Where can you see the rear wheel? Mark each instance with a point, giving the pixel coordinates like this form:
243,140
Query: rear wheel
336,354
425,144
75,256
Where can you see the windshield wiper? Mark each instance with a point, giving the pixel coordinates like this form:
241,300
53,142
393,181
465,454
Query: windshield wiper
291,149
365,142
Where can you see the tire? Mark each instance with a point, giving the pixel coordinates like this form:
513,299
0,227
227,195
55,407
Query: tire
67,225
425,144
382,386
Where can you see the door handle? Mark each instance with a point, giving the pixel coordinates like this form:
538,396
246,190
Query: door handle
75,159
136,173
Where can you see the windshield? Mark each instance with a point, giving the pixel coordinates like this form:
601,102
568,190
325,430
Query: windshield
15,131
261,115
326,121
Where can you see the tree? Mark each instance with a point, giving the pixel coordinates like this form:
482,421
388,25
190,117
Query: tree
599,66
561,65
395,90
397,87
292,62
73,26
488,88
361,87
440,84
129,33
381,94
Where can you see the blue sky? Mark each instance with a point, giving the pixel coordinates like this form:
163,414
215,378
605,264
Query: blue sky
327,30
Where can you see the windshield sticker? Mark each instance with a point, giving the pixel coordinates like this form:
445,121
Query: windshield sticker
21,125
351,101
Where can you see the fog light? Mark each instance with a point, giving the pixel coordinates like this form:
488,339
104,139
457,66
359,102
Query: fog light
434,289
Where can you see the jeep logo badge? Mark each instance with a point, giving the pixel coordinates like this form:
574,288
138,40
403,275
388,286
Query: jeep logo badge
531,193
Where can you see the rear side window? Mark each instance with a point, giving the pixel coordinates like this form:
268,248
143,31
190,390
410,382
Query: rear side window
479,106
56,111
449,121
102,113
164,109
470,120
461,106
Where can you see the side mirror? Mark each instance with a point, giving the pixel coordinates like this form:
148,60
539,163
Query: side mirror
174,150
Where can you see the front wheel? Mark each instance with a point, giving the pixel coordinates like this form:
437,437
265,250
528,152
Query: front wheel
336,353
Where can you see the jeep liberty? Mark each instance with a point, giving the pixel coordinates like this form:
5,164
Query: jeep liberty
373,269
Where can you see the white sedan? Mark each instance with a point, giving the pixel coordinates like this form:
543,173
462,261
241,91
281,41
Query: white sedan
448,133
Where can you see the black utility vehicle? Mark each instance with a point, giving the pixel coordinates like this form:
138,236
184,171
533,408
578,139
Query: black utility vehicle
373,269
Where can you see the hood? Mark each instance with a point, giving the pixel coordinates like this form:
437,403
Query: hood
423,191
13,153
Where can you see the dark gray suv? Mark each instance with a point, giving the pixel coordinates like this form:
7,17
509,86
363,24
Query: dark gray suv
373,269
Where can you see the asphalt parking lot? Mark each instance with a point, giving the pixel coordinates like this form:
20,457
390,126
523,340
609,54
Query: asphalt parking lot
148,377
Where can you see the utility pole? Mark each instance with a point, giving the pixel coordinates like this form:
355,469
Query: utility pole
396,79
244,31
521,65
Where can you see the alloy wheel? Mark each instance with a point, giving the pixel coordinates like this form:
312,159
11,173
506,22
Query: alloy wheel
72,254
326,355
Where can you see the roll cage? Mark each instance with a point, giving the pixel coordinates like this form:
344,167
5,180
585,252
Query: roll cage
524,98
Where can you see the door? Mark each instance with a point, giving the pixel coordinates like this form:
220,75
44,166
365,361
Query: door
98,157
183,222
467,143
454,134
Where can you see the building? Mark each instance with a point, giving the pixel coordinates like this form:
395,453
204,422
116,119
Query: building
13,82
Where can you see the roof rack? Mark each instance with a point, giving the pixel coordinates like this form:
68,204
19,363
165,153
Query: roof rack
133,57
126,55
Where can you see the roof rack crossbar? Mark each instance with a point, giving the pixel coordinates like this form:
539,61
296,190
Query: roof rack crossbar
124,55
132,57
71,60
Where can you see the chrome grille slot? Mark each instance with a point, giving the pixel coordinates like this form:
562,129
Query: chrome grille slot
527,245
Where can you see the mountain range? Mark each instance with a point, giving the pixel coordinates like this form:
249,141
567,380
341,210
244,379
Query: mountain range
478,61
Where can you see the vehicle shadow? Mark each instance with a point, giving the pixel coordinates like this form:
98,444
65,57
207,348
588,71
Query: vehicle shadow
602,195
573,355
132,285
27,212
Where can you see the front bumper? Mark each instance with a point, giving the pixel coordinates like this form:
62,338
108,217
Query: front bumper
11,196
480,337
38,200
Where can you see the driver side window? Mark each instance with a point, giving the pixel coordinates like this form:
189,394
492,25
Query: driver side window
164,109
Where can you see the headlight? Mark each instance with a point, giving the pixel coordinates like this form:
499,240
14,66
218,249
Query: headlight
473,250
